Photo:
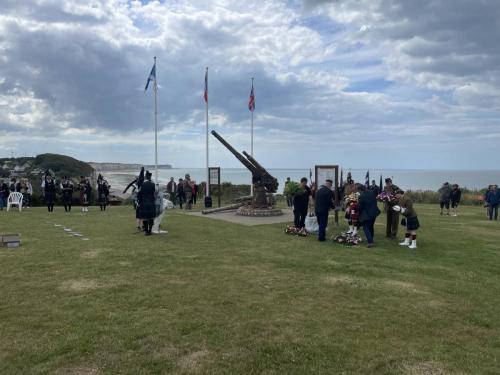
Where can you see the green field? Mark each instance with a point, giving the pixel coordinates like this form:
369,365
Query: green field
214,297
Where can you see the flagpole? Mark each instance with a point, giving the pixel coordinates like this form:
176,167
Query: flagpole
207,192
156,127
251,145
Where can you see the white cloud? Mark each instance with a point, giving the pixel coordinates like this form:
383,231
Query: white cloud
336,75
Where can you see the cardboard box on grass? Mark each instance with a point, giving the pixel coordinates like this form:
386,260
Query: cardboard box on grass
10,240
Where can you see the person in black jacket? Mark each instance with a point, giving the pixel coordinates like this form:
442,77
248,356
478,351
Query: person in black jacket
146,197
49,191
323,203
4,194
300,204
455,196
67,188
368,212
180,192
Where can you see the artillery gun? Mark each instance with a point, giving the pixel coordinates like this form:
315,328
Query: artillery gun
264,185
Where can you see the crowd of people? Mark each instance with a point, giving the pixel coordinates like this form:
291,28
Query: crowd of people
184,192
360,203
51,188
22,186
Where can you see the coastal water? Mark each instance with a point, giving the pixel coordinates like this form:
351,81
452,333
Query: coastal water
406,179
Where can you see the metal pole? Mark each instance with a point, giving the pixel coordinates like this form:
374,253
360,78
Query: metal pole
156,128
207,192
251,145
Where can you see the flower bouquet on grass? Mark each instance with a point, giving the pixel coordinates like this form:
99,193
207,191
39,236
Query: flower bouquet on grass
347,239
386,197
301,232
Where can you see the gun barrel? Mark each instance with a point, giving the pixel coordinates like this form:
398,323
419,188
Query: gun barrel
255,162
252,168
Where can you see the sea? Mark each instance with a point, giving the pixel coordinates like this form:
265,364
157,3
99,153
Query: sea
404,178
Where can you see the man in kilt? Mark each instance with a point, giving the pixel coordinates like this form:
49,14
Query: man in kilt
49,191
102,192
405,206
146,198
85,191
67,189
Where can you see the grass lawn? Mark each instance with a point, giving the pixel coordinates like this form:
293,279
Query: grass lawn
214,297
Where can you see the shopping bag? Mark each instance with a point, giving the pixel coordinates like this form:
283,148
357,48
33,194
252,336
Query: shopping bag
311,224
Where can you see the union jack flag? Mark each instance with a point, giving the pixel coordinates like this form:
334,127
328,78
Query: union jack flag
251,101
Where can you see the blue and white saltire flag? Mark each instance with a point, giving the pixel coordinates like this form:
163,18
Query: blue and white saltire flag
367,179
152,76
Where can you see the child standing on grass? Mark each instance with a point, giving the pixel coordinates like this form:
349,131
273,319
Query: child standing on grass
405,206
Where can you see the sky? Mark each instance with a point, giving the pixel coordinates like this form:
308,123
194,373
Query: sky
358,83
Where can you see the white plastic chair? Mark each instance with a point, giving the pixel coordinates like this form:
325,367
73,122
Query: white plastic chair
14,199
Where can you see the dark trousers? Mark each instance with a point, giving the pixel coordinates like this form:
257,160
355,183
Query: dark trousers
299,218
322,223
493,212
182,199
148,225
289,202
369,229
392,223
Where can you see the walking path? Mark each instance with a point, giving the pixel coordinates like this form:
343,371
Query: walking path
231,217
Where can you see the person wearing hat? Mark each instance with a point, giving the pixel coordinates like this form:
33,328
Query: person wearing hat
67,189
102,192
444,198
49,191
146,198
405,206
323,201
85,191
392,216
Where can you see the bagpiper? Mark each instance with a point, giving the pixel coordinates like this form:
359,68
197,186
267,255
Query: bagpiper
49,191
102,192
85,190
67,188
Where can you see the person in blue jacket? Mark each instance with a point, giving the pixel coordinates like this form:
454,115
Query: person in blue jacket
323,202
368,212
493,200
